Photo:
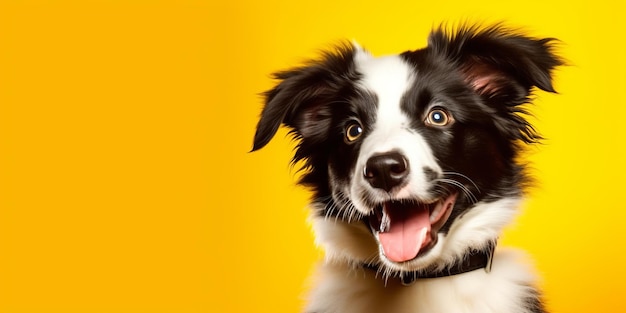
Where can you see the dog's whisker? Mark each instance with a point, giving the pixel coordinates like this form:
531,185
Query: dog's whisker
459,185
465,177
341,207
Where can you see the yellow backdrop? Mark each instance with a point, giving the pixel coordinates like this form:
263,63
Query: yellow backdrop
125,182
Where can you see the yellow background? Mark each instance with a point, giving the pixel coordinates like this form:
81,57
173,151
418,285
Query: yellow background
125,182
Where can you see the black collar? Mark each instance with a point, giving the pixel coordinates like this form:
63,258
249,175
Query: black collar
473,260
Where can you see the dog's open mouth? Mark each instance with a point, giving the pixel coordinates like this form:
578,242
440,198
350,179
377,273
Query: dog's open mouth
406,228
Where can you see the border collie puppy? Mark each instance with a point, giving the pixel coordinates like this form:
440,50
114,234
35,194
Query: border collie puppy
413,164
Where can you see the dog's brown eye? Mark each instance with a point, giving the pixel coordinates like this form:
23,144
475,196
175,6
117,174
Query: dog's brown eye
353,132
438,117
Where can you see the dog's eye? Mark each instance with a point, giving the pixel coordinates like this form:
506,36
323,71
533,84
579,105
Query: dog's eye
353,132
438,117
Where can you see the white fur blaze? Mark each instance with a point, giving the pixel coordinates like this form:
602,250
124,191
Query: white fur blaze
389,78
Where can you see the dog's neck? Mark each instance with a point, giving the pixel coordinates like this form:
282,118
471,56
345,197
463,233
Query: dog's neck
473,260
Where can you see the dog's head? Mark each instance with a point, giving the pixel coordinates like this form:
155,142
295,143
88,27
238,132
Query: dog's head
413,156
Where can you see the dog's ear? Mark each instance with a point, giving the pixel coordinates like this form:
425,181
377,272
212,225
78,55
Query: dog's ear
497,62
502,66
300,99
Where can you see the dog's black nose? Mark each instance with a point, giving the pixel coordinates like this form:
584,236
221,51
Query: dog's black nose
386,171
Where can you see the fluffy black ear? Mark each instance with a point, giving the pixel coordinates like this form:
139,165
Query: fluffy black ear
299,99
502,66
498,62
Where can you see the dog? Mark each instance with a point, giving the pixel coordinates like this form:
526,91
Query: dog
413,164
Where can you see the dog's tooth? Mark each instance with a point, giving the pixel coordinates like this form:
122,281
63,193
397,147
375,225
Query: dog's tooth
385,222
438,207
435,213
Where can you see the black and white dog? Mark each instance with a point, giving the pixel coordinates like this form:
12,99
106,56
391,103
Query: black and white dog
413,164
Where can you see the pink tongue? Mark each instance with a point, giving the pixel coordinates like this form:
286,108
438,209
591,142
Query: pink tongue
408,233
